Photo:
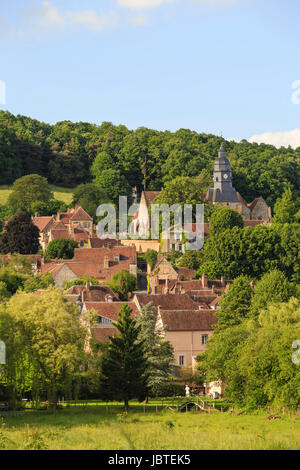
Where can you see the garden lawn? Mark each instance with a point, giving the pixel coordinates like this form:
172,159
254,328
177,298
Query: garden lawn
98,427
63,194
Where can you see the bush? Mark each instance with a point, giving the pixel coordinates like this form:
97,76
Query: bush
169,390
61,248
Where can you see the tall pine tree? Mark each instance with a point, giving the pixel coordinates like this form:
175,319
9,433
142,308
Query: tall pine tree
123,366
158,352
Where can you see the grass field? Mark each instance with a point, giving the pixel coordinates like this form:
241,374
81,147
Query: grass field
63,194
98,427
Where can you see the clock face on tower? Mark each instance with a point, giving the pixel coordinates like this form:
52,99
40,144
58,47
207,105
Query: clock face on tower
225,176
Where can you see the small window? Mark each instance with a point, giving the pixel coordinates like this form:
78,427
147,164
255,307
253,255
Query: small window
181,360
104,321
204,340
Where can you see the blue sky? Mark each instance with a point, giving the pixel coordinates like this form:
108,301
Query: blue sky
217,66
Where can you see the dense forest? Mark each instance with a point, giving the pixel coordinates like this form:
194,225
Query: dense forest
68,154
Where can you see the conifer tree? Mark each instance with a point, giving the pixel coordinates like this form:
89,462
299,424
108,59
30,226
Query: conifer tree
123,366
158,352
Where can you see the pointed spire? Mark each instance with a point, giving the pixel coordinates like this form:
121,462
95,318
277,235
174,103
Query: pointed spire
222,153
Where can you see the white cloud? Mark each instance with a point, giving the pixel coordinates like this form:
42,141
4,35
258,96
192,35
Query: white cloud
142,4
48,16
278,139
92,20
139,20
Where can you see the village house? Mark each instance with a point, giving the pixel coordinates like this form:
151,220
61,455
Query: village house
75,224
100,263
186,323
163,272
188,331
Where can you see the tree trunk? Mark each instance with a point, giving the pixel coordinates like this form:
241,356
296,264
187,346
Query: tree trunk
53,395
126,405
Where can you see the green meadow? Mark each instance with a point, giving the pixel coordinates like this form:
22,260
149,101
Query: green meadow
63,194
102,427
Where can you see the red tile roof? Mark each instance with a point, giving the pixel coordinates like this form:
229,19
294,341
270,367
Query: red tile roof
98,293
80,214
111,310
42,222
126,253
58,234
188,320
102,334
168,301
253,223
150,196
254,202
106,243
186,273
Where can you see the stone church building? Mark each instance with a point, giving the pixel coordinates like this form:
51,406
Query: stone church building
223,193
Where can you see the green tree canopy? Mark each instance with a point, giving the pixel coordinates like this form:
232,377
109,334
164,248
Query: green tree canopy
113,184
38,282
224,218
254,359
62,248
49,208
29,189
151,257
235,303
273,287
285,208
185,190
20,236
123,283
45,343
89,197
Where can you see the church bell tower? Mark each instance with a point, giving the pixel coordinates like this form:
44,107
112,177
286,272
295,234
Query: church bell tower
223,191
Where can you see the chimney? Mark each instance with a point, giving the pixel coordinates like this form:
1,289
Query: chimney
223,281
204,280
166,289
88,286
58,217
106,262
